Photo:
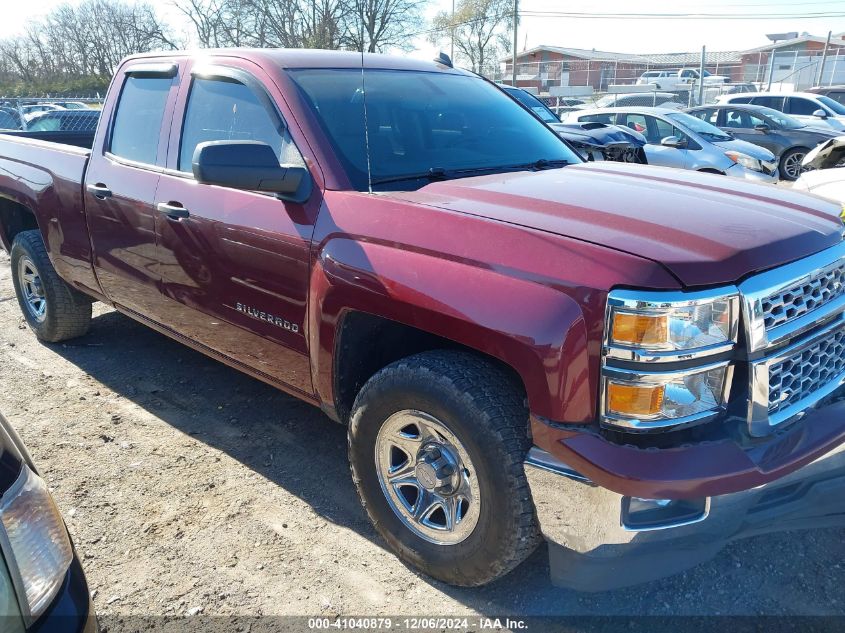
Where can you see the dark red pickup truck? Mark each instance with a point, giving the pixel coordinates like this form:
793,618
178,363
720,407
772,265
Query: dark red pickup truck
637,363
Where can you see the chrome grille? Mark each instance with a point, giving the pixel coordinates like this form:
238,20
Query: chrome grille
804,296
798,377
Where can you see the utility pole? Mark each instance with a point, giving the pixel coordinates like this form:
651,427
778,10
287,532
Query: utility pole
515,20
701,76
452,56
824,59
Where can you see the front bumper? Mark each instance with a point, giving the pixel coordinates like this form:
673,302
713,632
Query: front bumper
738,171
591,548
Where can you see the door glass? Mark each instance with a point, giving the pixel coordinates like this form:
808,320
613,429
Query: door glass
138,118
597,118
222,110
796,105
663,129
769,102
636,122
737,119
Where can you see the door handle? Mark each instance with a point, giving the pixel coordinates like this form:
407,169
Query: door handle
99,191
173,210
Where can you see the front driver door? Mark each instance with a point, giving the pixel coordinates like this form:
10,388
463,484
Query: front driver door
235,264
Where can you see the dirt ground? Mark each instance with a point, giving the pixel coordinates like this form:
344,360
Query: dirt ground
190,488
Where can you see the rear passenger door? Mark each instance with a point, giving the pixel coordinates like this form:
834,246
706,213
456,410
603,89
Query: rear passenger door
121,182
234,263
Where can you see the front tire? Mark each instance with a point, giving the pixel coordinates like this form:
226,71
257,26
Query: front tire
52,309
436,446
790,163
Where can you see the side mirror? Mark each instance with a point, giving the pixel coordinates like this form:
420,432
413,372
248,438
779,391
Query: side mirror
673,141
249,165
821,114
762,128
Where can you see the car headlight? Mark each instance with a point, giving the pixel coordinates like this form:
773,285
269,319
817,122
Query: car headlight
676,330
745,160
34,541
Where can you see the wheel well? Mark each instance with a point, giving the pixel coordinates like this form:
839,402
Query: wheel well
367,343
14,218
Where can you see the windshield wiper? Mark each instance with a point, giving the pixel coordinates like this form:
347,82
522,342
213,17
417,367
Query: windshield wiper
433,174
438,173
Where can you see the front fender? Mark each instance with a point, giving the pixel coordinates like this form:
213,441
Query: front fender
539,331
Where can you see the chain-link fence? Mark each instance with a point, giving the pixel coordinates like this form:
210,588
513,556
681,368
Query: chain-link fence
567,78
66,114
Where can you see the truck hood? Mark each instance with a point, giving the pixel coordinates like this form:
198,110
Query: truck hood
705,229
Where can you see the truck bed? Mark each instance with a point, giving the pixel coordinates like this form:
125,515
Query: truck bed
46,179
77,139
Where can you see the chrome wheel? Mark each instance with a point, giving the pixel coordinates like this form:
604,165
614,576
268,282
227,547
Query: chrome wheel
427,477
32,289
791,166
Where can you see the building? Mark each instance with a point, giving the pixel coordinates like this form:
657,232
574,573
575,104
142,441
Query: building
796,57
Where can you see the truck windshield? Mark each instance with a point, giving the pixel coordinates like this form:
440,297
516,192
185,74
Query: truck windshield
425,126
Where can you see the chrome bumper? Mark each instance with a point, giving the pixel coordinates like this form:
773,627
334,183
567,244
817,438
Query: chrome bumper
594,544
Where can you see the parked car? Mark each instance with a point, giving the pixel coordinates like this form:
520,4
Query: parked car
787,138
837,93
42,585
824,171
72,105
593,141
522,344
655,99
678,79
63,121
813,109
27,110
10,119
676,139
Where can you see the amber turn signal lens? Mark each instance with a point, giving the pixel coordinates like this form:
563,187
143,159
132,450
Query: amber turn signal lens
640,329
634,400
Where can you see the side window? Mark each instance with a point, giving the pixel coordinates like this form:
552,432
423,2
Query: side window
662,129
636,122
797,105
597,118
837,96
138,118
754,121
224,110
737,119
741,100
776,103
710,115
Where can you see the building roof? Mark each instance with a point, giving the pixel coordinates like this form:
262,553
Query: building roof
836,40
673,59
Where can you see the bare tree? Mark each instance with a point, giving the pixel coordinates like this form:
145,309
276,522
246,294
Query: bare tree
86,40
374,25
481,29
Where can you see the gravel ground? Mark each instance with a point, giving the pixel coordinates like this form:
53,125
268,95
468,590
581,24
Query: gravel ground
190,488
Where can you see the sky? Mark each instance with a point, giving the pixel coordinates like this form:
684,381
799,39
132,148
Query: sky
621,34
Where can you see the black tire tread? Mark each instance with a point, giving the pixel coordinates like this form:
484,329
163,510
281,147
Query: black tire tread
791,150
70,309
505,415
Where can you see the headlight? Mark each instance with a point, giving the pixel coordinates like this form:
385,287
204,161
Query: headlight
646,401
745,160
673,326
647,329
34,541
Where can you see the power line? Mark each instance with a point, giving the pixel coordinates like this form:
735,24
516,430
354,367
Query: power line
681,16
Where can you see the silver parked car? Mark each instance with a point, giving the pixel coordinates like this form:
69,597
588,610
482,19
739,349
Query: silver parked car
676,139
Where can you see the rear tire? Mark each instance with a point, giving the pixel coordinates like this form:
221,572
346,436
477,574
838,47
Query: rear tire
790,163
53,310
476,419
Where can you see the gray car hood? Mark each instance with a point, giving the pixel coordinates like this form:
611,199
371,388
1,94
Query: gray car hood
755,151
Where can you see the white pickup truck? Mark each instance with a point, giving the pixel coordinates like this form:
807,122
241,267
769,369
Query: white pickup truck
681,79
